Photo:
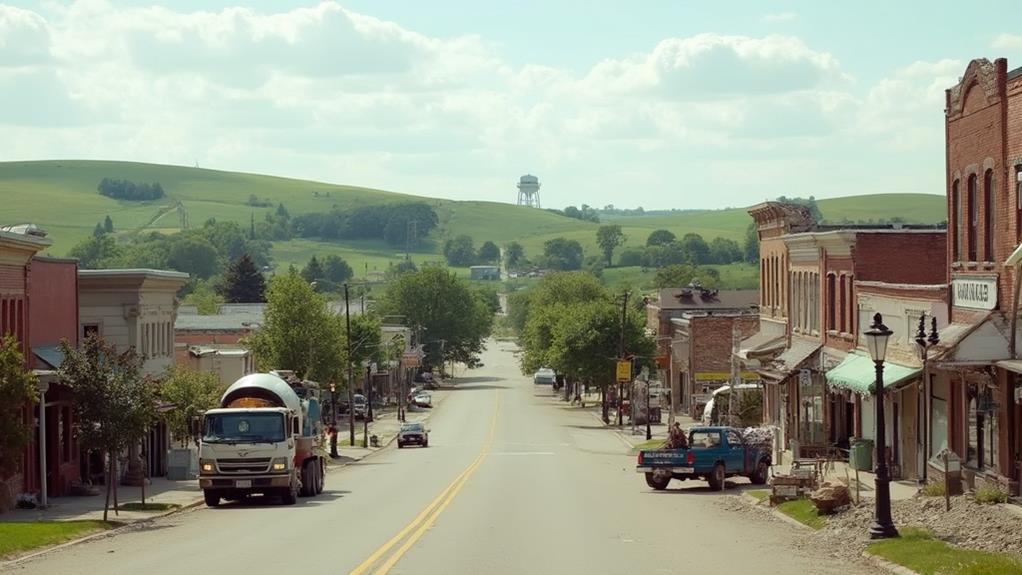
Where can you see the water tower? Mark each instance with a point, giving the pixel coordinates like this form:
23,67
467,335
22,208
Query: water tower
528,191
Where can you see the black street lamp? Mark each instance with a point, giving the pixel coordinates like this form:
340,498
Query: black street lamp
876,340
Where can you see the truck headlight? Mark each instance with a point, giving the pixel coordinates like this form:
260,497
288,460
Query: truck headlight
207,466
279,464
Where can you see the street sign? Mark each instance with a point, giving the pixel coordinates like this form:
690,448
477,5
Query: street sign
624,370
410,359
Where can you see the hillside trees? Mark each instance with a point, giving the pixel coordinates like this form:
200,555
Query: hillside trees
660,237
751,244
514,255
725,251
131,191
609,237
336,269
313,270
489,252
696,250
562,254
456,320
108,224
17,389
243,283
460,251
399,224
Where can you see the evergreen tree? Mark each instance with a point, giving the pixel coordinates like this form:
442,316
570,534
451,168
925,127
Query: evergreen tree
313,270
108,225
243,283
98,230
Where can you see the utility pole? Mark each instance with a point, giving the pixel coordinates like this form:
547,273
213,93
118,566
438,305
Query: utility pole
621,354
736,378
369,408
351,374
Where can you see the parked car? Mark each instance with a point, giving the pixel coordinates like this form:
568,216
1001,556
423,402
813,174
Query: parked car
544,376
361,407
412,433
423,399
720,395
713,453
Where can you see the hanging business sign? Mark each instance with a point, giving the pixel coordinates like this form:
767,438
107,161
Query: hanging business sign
624,370
975,293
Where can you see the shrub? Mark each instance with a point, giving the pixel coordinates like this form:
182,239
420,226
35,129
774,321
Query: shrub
934,489
991,495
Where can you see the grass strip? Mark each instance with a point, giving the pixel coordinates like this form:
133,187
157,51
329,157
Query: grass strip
803,511
759,494
20,536
917,550
149,506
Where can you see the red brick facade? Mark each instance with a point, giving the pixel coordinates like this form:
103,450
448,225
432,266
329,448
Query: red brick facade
712,340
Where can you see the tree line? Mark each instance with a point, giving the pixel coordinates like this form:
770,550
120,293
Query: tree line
398,224
128,190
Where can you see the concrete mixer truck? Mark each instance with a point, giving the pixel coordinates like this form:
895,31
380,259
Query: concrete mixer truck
262,439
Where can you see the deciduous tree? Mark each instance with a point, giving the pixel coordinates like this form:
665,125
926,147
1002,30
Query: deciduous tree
609,237
489,252
563,254
17,390
191,393
514,254
660,237
459,251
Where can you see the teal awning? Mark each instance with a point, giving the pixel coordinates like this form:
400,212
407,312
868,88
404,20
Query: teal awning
858,373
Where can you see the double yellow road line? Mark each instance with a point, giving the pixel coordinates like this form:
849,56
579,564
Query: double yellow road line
411,533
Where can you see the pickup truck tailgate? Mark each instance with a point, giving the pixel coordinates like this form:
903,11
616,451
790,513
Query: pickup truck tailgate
677,460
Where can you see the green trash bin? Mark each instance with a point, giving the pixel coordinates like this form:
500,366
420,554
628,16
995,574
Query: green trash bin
861,455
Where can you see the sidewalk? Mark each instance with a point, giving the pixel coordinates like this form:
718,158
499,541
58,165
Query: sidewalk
625,432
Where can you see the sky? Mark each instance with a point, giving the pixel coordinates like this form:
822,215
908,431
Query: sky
659,104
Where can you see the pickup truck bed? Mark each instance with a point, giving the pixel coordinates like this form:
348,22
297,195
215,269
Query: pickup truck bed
715,453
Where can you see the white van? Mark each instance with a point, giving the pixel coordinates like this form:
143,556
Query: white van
723,390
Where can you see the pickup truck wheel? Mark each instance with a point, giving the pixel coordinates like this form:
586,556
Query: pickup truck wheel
716,478
211,498
759,477
657,482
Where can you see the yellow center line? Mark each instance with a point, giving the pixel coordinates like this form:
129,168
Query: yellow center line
424,520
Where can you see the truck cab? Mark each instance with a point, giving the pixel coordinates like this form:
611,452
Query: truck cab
258,442
713,454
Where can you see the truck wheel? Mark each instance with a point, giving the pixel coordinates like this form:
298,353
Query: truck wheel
760,476
290,495
716,478
658,483
211,497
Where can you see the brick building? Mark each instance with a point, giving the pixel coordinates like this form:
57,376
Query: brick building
38,306
824,266
693,329
972,397
213,343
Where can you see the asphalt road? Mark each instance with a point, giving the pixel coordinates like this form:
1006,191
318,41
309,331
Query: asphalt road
511,483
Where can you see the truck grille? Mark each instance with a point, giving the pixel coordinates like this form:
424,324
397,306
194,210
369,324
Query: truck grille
254,465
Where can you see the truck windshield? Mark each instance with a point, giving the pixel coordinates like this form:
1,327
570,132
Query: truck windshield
243,428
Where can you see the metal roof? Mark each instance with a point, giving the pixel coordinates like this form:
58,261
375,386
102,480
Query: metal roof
674,299
226,322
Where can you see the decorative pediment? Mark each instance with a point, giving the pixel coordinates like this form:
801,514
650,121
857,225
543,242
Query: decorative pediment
981,74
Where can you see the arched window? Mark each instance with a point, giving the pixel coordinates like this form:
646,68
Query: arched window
954,224
972,222
988,216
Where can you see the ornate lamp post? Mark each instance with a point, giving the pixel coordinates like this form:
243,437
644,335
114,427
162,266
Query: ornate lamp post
876,340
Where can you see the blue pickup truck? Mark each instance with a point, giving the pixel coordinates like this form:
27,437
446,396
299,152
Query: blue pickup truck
714,454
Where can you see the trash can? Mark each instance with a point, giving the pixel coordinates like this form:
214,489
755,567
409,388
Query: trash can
860,456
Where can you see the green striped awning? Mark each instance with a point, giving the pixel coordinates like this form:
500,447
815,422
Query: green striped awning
858,373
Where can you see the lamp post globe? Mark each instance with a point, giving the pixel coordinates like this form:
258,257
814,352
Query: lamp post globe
876,341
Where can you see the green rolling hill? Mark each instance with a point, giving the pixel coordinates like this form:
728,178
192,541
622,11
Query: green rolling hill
60,196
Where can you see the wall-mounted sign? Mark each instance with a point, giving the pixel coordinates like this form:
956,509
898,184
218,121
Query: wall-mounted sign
723,375
976,293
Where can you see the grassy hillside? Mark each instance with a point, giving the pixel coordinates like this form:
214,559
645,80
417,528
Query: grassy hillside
60,196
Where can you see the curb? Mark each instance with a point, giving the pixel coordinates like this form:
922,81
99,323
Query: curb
887,565
100,535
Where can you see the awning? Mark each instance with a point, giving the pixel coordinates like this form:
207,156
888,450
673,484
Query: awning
796,354
858,373
761,345
984,342
50,354
1014,365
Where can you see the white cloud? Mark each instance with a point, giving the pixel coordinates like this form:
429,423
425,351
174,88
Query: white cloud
321,92
1006,42
780,17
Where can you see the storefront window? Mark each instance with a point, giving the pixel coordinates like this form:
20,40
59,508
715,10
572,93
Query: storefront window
938,415
982,447
811,409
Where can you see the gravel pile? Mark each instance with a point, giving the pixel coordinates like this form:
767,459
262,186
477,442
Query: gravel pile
968,524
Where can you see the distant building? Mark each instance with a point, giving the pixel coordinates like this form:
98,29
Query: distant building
484,272
213,343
